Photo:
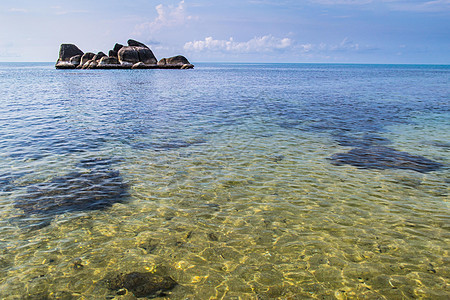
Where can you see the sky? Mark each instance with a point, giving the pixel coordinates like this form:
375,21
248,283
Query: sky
297,31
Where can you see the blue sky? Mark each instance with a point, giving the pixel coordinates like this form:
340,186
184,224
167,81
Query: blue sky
340,31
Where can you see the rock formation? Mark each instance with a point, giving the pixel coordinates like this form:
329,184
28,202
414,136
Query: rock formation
134,56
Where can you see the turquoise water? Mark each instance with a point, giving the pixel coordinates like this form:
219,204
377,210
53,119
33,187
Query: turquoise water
258,181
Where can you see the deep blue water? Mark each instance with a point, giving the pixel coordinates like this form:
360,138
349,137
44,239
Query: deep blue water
77,143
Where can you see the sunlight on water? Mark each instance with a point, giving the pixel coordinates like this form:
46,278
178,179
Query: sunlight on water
222,180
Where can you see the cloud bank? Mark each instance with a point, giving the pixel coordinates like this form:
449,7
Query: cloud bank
267,43
168,16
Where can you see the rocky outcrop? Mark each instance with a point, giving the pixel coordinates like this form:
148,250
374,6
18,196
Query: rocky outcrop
134,56
175,62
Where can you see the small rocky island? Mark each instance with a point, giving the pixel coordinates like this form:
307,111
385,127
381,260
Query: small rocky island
134,56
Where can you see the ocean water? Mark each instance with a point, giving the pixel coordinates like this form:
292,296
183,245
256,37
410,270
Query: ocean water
239,181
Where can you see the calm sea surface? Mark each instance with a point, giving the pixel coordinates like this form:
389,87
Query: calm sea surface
258,181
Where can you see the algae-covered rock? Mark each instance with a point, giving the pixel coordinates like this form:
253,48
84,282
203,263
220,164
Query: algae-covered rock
95,189
142,284
381,157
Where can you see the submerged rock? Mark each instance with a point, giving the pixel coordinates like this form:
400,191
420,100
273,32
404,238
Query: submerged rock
96,162
168,145
381,157
98,188
142,284
7,181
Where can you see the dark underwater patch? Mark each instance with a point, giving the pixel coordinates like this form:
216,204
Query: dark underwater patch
367,140
381,158
7,180
91,163
168,145
97,188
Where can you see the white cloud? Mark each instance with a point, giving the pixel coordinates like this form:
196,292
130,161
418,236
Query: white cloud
18,10
267,43
346,45
168,16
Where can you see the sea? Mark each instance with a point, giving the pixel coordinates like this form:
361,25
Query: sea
228,181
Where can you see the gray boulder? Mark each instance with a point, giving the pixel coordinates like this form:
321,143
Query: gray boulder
93,64
86,64
175,62
134,54
107,60
162,62
136,43
98,56
86,57
64,65
66,51
178,60
112,53
117,47
187,66
128,54
146,55
108,63
139,65
75,60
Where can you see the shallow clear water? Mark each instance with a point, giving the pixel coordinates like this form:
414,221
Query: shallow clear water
257,181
